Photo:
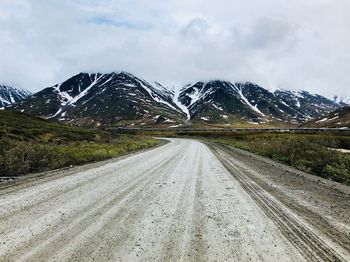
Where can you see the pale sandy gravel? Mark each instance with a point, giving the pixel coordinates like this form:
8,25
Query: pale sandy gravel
173,203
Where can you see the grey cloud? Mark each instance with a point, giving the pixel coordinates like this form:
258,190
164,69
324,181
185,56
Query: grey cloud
195,28
270,33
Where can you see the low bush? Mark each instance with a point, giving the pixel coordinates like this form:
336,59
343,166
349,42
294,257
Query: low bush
29,144
22,157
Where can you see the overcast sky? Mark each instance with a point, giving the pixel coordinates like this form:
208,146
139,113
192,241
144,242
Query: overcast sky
299,44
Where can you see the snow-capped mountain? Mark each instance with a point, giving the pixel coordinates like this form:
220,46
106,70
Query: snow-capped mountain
124,99
222,101
339,118
11,95
117,97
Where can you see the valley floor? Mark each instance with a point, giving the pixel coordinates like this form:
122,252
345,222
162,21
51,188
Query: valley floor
183,201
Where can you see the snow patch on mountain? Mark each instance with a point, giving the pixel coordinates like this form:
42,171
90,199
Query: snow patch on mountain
85,91
196,95
253,107
151,90
180,105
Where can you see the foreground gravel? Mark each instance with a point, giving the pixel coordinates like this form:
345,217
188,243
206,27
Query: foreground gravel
179,202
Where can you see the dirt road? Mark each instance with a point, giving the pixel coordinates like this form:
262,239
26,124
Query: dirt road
182,201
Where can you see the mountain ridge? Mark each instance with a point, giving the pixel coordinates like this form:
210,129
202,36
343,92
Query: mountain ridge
10,95
122,98
251,102
119,96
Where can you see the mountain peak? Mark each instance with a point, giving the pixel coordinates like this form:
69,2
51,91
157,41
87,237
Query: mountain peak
10,95
110,98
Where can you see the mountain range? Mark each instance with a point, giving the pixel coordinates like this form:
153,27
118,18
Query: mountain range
120,98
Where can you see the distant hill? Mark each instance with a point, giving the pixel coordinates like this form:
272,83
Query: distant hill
338,118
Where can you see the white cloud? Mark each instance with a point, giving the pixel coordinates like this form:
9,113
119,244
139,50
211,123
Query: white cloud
292,44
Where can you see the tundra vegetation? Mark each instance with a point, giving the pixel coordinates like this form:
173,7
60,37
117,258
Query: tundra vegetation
29,144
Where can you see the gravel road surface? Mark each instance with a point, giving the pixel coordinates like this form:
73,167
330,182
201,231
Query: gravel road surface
183,201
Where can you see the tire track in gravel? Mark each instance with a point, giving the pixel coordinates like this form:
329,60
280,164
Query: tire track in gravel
105,209
302,193
108,240
199,250
303,238
180,233
84,245
172,223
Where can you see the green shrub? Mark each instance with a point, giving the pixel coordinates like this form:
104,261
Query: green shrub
21,157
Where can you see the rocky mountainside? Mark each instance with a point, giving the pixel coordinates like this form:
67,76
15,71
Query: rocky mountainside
339,118
222,101
11,95
105,99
